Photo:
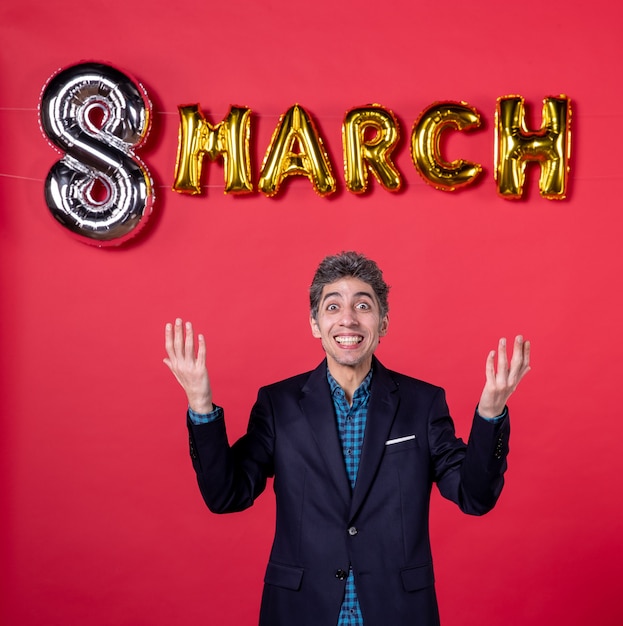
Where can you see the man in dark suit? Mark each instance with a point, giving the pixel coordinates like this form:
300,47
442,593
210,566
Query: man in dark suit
354,449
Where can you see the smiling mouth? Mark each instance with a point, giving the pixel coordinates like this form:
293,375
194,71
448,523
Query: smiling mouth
348,341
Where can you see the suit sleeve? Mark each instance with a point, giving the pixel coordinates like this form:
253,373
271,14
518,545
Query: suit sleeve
231,477
470,475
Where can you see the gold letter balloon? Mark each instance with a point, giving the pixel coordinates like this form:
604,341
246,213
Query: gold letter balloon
229,139
369,136
516,146
96,116
296,149
425,145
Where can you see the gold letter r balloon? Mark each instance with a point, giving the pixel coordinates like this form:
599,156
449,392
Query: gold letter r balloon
370,134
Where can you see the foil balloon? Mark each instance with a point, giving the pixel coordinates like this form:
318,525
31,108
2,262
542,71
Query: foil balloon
296,149
516,146
229,139
97,117
425,145
369,135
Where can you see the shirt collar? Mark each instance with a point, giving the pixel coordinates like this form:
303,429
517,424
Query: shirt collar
363,389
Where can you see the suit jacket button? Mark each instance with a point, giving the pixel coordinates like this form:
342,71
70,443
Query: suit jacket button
352,531
341,574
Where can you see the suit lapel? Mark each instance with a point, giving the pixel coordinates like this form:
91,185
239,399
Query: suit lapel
317,406
382,409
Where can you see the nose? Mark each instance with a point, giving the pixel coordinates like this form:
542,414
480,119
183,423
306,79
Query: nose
349,318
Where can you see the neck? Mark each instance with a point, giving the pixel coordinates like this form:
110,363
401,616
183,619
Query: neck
349,377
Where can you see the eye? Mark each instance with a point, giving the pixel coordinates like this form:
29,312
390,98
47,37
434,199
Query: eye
332,307
362,306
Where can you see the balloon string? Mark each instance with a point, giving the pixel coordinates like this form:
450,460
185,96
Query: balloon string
41,180
176,113
318,117
15,176
415,181
315,115
418,182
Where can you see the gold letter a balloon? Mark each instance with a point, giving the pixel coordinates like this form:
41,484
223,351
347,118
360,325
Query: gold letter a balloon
296,149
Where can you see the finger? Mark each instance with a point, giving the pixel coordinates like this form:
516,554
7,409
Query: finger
178,338
490,367
201,350
526,359
517,359
502,358
189,344
168,339
520,364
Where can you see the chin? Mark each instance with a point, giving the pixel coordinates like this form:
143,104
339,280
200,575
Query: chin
353,361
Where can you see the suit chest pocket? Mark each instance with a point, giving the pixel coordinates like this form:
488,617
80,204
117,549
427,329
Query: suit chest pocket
403,443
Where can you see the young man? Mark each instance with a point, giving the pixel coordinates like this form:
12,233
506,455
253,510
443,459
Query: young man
354,449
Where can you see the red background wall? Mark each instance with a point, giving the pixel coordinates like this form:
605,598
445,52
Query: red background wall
101,519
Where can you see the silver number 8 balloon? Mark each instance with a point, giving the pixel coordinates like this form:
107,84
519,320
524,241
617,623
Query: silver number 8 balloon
97,116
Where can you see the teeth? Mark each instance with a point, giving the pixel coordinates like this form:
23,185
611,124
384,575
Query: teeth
348,341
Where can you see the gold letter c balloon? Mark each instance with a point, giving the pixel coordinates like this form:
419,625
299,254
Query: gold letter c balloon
425,150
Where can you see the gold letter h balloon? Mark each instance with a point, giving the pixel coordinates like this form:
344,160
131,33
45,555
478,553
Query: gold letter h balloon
516,146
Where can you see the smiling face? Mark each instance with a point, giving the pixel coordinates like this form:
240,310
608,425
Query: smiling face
349,325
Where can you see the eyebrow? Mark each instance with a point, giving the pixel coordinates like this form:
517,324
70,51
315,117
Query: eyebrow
359,294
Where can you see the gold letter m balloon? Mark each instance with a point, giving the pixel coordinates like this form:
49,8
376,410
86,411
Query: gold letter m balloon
229,139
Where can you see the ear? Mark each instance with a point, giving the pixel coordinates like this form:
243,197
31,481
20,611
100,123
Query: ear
384,326
314,327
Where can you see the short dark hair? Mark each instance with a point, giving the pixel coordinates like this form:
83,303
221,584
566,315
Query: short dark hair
343,265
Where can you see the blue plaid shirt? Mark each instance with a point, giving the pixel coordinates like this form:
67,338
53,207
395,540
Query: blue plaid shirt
351,425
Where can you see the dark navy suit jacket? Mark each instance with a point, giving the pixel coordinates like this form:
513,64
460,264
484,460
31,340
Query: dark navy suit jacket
380,529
